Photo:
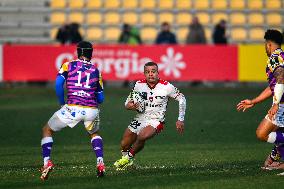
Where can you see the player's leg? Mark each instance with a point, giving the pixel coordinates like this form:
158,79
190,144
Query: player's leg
269,131
46,143
145,134
128,139
152,128
97,145
264,129
54,124
92,125
138,141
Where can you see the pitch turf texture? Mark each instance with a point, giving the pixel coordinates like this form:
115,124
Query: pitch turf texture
218,149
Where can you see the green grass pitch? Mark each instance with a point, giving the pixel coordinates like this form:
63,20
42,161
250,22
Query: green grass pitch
218,149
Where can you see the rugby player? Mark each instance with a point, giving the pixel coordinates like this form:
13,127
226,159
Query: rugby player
84,94
149,122
271,127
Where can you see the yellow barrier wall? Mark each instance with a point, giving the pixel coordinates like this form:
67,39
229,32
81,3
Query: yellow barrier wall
252,63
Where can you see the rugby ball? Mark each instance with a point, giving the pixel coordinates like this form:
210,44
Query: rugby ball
138,98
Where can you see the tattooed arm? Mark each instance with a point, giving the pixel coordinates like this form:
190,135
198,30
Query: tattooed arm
279,87
278,91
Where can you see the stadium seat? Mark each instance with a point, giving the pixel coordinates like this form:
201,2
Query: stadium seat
255,4
82,31
130,4
130,18
57,18
148,18
94,18
273,19
166,4
204,4
112,17
166,17
256,34
208,33
255,19
238,34
53,32
148,4
94,33
112,34
183,4
216,17
237,4
203,17
273,4
58,4
182,34
94,4
77,17
76,4
148,34
112,4
219,4
183,18
237,18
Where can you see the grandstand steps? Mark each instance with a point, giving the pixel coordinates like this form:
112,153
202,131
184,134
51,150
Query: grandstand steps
37,14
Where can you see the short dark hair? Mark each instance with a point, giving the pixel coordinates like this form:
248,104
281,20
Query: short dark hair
151,64
274,36
85,48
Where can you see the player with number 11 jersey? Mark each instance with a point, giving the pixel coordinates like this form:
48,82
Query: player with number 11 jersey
84,94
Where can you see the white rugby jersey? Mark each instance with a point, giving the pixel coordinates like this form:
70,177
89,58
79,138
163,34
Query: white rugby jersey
156,99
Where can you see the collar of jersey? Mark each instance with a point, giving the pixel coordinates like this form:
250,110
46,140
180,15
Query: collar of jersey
85,61
154,85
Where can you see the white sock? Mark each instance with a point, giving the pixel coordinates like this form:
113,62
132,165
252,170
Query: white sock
100,160
45,160
124,153
271,137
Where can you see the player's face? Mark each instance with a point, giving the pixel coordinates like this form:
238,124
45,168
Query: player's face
151,73
267,48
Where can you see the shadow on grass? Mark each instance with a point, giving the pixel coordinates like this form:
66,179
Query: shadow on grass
141,176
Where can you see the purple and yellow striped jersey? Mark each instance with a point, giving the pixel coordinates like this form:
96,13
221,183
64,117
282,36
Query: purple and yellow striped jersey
83,81
275,60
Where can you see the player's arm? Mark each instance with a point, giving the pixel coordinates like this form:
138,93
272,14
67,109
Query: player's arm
248,103
59,82
175,94
278,91
59,88
182,107
129,103
100,90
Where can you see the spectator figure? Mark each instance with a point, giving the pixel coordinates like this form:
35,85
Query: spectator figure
196,34
69,34
166,36
63,34
129,35
75,36
219,35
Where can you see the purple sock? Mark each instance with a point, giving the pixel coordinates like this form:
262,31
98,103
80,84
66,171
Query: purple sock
46,145
280,149
97,144
279,137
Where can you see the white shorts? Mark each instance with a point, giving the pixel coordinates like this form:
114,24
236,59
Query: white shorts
71,115
137,125
279,117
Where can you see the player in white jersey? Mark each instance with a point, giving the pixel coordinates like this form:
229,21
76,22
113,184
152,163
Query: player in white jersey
150,118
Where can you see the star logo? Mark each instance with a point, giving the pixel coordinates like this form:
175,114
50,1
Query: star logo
172,63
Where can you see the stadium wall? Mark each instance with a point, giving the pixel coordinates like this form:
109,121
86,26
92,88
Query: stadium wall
119,63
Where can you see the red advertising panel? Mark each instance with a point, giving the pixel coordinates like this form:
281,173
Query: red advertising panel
178,63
